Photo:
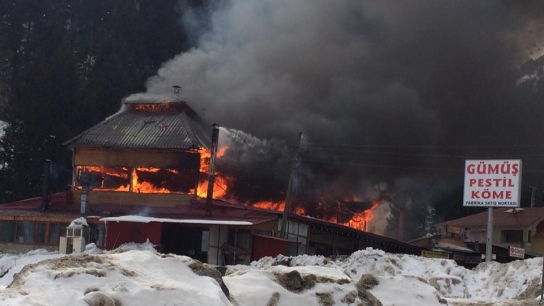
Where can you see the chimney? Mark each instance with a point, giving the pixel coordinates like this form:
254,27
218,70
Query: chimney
45,190
177,89
211,175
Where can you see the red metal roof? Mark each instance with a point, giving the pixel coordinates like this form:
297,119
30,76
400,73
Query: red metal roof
42,215
505,217
61,201
62,206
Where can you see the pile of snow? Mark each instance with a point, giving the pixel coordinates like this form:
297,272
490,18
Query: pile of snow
135,274
133,277
79,222
10,264
491,282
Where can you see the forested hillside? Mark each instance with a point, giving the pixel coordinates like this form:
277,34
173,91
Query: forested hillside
64,66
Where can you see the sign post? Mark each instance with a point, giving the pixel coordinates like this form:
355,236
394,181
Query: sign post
492,183
489,236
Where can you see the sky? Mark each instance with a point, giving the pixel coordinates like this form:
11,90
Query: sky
135,274
393,89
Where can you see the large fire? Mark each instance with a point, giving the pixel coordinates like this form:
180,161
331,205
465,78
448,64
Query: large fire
221,182
359,220
160,180
121,173
155,107
144,186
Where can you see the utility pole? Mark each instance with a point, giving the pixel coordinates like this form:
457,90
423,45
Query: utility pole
211,170
289,189
533,196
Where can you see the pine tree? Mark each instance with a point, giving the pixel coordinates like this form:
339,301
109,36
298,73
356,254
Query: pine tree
69,64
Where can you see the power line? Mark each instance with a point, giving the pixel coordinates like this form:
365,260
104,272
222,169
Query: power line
423,155
379,166
428,146
396,167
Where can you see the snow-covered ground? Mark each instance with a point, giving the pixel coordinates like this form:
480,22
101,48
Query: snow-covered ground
138,275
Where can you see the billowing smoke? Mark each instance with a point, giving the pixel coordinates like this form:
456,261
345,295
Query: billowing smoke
385,90
258,168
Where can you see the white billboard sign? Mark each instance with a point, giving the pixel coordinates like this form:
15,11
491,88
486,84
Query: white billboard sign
516,252
492,183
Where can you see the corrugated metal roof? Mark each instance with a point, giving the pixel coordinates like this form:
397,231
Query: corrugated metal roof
177,128
501,217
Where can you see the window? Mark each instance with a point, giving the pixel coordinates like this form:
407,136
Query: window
103,178
26,231
512,236
7,231
239,238
40,237
139,179
160,180
296,232
54,233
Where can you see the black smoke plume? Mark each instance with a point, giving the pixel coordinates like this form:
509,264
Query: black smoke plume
387,91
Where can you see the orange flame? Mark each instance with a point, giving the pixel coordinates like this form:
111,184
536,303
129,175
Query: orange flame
120,172
300,211
221,182
154,107
360,220
221,152
219,189
145,186
279,206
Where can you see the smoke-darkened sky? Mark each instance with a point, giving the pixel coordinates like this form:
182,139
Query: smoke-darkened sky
401,82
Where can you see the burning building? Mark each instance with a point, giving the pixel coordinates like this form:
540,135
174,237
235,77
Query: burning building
144,173
148,154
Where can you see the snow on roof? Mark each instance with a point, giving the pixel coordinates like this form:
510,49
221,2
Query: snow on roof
453,247
143,219
79,222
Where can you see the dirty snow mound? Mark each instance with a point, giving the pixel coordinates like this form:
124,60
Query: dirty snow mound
128,278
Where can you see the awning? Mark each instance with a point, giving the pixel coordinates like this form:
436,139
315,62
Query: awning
446,246
142,219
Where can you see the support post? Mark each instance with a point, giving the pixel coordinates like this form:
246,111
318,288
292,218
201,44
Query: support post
289,189
211,170
84,192
489,239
